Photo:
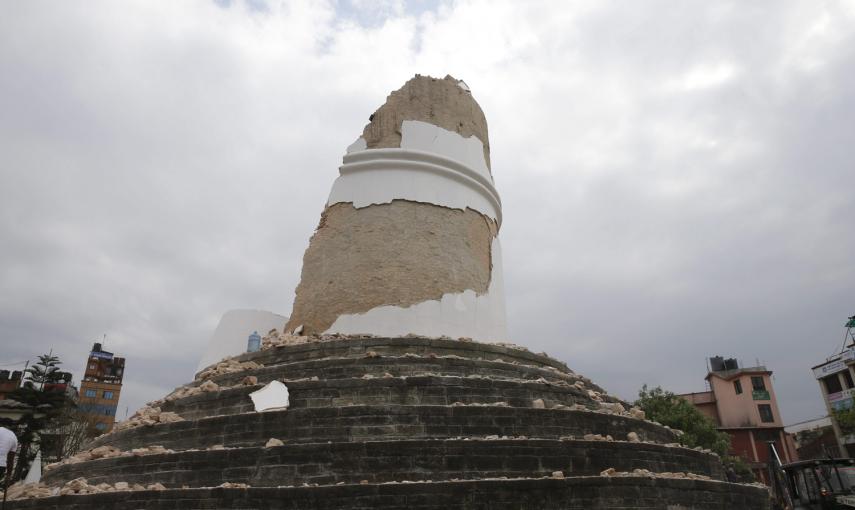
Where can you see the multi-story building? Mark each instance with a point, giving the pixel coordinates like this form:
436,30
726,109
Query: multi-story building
835,377
9,382
101,387
742,403
814,439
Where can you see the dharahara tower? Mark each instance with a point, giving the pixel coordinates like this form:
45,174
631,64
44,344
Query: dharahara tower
391,385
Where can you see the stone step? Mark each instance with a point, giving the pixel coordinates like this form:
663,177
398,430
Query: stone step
366,423
420,390
385,461
359,347
531,494
398,366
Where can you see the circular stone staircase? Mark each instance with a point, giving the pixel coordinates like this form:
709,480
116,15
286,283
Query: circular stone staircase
391,423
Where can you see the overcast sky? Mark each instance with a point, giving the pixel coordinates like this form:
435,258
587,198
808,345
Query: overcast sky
677,177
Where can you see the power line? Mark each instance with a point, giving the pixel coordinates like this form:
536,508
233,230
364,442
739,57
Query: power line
15,363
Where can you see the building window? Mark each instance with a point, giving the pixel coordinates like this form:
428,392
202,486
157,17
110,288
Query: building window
832,384
92,366
91,393
109,412
737,387
765,413
757,383
100,425
847,379
108,395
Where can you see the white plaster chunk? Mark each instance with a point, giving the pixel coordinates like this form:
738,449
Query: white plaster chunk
34,475
359,145
466,314
424,136
433,165
272,396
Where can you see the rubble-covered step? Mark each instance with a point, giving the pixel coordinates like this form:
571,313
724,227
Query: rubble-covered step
358,347
384,461
417,390
588,493
379,365
366,423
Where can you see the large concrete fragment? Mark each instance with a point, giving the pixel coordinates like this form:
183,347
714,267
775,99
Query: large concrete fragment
406,243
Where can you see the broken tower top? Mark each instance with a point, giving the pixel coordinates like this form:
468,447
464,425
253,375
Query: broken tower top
446,103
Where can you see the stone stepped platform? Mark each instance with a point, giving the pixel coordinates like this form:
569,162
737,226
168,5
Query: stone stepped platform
358,347
386,461
374,423
490,426
404,391
580,493
399,366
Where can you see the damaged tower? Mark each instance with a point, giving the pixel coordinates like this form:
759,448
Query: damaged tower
391,386
408,242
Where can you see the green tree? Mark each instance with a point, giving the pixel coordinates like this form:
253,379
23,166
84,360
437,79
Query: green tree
45,371
46,407
698,429
676,412
845,420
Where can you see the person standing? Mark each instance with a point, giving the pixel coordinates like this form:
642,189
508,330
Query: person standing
8,447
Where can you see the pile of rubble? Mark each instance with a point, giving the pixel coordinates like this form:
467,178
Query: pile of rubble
227,366
31,490
146,416
276,339
610,472
478,404
233,485
101,452
615,408
189,391
106,452
76,486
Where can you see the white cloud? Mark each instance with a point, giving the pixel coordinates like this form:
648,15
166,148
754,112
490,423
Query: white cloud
676,181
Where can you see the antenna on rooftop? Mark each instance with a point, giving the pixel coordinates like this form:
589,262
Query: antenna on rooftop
850,323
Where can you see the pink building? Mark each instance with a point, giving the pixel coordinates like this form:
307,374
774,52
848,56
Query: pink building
742,402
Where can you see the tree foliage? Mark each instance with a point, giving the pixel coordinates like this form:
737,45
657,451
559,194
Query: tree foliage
676,412
698,429
50,411
45,371
845,420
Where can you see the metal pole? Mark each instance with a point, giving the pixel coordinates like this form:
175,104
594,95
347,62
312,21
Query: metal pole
5,486
24,373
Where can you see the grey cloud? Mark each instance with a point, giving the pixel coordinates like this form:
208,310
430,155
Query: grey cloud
675,178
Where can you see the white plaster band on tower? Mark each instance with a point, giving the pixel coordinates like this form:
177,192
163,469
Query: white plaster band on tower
379,176
433,165
459,315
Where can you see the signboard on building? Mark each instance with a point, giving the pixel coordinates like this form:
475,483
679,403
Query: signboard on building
835,366
841,405
760,395
841,400
841,395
